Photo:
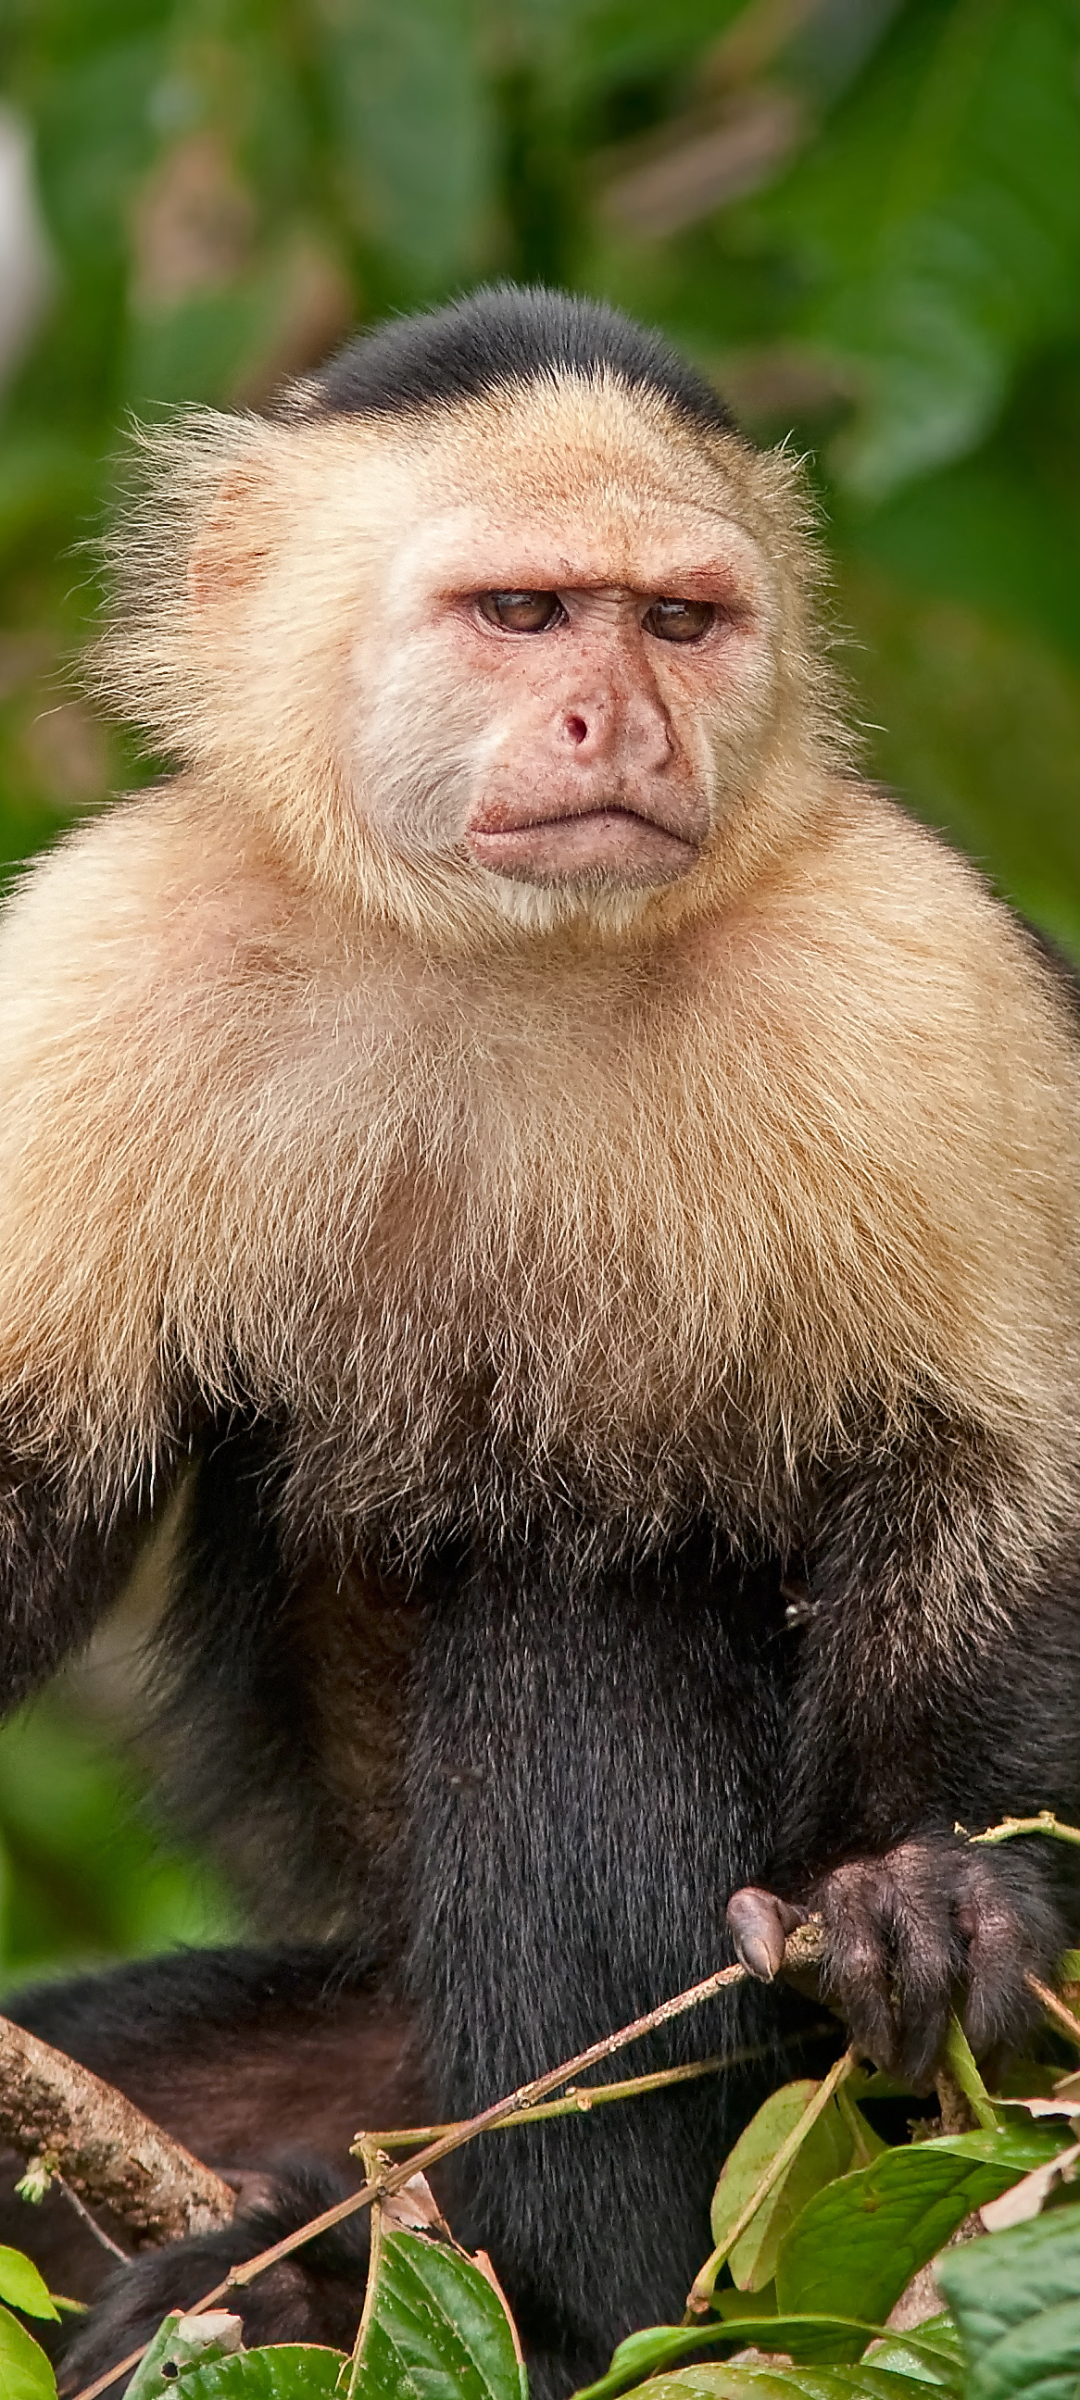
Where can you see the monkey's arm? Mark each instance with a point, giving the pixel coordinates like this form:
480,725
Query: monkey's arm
117,1040
59,1570
261,2061
940,1687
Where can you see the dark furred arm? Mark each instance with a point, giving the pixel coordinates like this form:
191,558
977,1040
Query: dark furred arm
262,2061
939,1686
60,1568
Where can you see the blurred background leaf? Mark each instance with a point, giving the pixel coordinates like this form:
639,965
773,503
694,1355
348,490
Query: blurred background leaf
862,217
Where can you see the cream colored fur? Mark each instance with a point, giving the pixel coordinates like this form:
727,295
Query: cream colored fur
645,1215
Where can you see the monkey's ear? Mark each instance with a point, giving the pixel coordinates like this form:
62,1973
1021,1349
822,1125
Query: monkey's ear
235,540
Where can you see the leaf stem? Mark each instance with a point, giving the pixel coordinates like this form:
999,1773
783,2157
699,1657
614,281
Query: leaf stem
1011,1829
701,2289
374,2164
578,2100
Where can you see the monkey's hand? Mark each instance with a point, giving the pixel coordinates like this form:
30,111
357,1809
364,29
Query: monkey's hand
933,1925
314,2296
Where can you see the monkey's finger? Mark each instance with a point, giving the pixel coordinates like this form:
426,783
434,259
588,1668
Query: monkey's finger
759,1924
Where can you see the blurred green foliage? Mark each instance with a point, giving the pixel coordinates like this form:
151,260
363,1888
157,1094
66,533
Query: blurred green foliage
83,1877
861,216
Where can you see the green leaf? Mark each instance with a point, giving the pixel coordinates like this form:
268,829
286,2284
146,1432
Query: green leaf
901,2365
857,2244
939,220
21,2284
933,2358
181,2343
25,2372
825,2153
412,116
784,2383
1016,2298
438,2327
808,2339
290,2371
960,2059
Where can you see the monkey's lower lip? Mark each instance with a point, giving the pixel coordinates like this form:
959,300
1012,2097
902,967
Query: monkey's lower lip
609,841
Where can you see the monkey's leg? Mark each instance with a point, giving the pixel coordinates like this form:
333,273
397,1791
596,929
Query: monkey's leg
936,1691
264,2063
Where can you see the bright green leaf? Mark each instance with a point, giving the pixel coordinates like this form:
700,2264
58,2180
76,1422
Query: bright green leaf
21,2284
825,2153
934,2356
1016,2299
290,2371
808,2339
783,2383
25,2372
857,2244
438,2327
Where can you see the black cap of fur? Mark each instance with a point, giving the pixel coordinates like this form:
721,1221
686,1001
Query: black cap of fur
506,334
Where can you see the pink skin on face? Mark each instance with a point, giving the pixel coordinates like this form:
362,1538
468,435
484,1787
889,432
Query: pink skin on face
595,679
597,783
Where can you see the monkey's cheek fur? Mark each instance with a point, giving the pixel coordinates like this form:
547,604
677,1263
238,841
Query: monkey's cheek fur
612,843
931,1926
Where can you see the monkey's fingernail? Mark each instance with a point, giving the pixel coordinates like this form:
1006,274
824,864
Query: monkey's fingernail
756,1958
756,1928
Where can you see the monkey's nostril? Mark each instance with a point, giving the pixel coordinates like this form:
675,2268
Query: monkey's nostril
576,728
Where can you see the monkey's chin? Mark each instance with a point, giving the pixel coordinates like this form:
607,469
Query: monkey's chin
550,908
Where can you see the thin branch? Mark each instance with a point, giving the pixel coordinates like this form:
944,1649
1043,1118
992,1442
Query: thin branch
1055,2008
105,2149
90,2221
1011,1828
579,2100
804,1949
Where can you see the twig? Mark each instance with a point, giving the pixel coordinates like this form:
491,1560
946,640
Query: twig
90,2221
581,2098
1055,2008
700,2292
1011,1828
804,1949
105,2149
578,2100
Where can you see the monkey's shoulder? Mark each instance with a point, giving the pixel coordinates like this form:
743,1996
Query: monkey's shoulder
123,944
879,940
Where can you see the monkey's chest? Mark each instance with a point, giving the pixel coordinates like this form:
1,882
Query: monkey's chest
472,1400
599,1756
642,1323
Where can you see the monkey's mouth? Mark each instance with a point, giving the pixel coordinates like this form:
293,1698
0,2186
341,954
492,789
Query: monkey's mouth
611,843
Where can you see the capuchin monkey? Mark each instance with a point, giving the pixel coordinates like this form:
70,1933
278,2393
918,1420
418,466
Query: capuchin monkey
571,1202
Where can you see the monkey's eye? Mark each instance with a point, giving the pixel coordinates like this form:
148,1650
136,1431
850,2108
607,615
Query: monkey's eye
521,612
679,620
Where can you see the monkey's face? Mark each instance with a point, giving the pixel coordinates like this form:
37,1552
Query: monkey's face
542,655
569,688
586,688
